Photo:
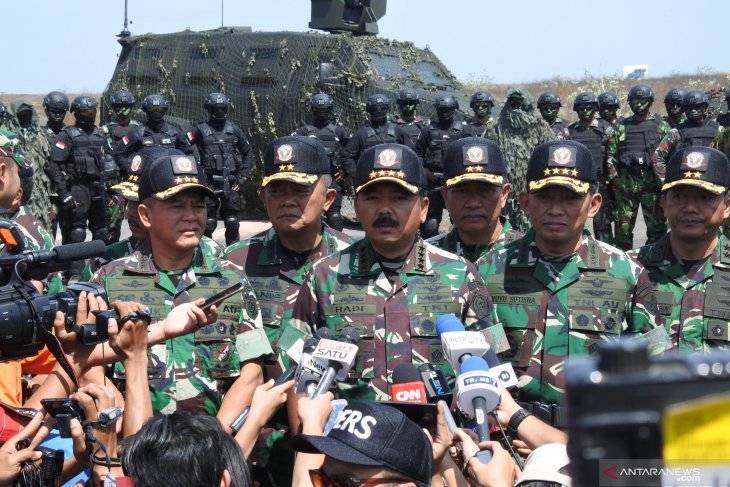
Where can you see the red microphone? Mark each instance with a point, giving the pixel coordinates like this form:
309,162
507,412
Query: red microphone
407,385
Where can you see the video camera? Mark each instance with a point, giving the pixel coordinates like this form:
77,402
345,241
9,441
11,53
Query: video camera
26,316
627,411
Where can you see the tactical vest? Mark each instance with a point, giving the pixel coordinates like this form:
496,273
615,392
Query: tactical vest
640,142
701,135
475,130
87,150
118,132
593,138
327,135
440,138
166,137
219,149
411,131
385,135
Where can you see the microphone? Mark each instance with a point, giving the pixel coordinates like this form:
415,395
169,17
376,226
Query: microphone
457,343
505,373
477,394
407,385
309,371
340,356
437,389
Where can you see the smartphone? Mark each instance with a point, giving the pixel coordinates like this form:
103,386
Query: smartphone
221,296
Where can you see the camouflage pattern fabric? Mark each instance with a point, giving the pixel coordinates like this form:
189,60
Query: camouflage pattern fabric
724,120
394,313
35,237
37,150
518,132
560,129
722,143
276,275
693,304
473,128
672,124
552,309
125,247
664,151
450,242
191,372
638,185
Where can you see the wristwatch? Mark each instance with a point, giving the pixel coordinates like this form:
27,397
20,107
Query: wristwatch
109,416
516,420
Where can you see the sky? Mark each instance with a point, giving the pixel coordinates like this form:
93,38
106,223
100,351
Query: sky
74,48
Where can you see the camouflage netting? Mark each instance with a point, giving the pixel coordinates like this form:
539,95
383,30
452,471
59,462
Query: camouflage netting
270,77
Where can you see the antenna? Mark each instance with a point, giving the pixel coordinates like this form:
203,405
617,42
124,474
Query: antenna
125,32
221,13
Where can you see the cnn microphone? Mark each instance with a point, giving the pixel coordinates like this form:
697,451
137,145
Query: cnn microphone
340,356
407,385
457,343
437,389
477,395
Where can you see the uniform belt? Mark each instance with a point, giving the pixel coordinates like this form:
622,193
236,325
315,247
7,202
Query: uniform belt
556,416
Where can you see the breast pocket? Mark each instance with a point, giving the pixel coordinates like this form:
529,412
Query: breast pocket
717,320
425,343
589,326
215,350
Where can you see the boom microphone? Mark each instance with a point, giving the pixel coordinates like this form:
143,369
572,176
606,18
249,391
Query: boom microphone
477,395
340,355
407,385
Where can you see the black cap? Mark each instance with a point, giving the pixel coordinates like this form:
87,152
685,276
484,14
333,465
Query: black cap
372,434
294,158
393,163
561,163
702,167
474,159
169,175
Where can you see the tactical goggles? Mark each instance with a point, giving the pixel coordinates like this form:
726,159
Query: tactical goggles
156,110
85,113
585,107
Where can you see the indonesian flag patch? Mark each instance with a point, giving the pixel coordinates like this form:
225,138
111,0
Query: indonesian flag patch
190,136
60,145
125,140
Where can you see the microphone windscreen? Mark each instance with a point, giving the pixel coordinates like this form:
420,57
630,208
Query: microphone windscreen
310,345
405,372
449,323
79,251
325,333
474,363
349,334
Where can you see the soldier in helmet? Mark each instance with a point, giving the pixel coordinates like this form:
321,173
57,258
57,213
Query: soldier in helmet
590,133
377,131
724,118
630,149
608,106
227,158
35,147
673,104
431,147
482,103
55,106
549,104
4,117
409,122
155,131
697,131
334,138
76,168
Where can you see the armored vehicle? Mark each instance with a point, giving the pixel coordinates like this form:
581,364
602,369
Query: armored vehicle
270,76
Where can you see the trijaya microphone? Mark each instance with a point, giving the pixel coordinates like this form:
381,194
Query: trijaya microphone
477,395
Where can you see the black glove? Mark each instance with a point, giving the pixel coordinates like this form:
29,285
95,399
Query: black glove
69,202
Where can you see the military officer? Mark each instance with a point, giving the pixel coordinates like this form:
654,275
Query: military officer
214,370
475,192
391,286
689,267
558,291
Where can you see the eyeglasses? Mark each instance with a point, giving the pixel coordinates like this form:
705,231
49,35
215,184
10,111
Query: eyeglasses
321,479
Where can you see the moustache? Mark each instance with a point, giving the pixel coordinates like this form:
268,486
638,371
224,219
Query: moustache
385,221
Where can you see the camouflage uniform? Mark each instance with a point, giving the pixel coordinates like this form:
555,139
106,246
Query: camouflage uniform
673,140
396,315
638,184
191,372
451,242
693,305
553,309
474,128
672,124
37,150
518,132
276,275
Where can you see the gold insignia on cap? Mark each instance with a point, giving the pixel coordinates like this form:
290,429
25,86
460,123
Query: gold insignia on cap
184,164
694,160
561,156
136,163
475,154
285,152
387,157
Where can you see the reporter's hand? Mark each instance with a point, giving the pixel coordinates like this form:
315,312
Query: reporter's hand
81,454
131,340
11,459
521,448
501,470
441,439
267,399
87,304
314,413
188,318
506,408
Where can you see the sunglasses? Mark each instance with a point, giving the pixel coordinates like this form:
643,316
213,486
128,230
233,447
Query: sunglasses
321,479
